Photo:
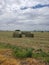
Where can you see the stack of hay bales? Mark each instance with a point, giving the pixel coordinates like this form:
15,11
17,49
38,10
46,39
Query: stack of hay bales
29,34
17,34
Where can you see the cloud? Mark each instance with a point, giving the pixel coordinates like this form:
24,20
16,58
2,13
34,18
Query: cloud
24,14
40,6
36,6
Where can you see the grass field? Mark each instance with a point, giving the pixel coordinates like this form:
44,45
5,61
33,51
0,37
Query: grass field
40,42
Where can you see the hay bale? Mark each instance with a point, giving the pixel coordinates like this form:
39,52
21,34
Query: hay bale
29,34
17,34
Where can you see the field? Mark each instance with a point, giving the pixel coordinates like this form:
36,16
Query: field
40,41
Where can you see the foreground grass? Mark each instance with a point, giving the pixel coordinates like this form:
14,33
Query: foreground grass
19,52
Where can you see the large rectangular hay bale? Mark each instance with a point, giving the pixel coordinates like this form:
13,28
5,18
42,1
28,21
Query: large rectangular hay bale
17,34
29,34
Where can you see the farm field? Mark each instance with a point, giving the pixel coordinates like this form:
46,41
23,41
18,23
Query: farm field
40,41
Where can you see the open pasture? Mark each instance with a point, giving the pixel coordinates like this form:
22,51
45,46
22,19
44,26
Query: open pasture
40,40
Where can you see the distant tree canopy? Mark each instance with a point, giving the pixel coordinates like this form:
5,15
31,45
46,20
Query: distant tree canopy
17,30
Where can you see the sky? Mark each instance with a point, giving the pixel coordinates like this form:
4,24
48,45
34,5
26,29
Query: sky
24,15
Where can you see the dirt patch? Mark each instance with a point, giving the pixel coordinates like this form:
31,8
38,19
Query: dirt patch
6,57
7,61
6,52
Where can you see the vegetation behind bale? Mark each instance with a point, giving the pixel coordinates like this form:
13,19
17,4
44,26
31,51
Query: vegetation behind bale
17,30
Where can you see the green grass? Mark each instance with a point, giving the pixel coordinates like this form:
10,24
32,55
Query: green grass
19,52
23,53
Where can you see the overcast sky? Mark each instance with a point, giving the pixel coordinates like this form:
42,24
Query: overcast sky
24,14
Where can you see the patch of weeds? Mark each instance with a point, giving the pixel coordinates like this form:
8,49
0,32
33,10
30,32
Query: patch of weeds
46,59
3,45
20,52
42,55
23,53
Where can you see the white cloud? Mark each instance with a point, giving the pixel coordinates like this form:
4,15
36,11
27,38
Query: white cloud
11,14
